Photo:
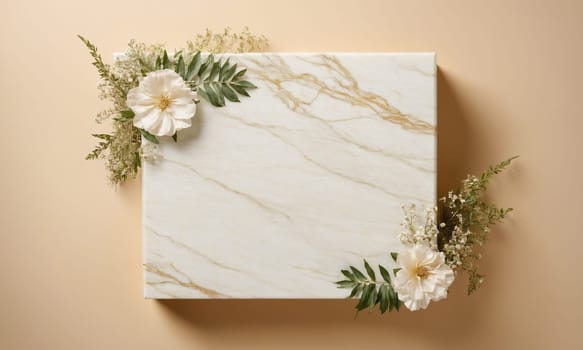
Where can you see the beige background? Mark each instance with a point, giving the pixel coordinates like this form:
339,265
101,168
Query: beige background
510,83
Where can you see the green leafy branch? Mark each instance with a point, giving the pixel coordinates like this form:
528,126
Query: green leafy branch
121,148
103,69
217,81
101,147
214,80
370,291
467,211
221,80
487,175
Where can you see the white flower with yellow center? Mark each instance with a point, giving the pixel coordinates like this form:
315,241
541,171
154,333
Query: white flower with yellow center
424,277
162,103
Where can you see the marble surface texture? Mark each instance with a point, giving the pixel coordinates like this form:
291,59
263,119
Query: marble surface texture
271,197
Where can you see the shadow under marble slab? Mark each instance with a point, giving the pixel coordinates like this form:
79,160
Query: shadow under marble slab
336,317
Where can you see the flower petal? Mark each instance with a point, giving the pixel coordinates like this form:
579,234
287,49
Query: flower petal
157,86
149,120
417,292
182,112
165,127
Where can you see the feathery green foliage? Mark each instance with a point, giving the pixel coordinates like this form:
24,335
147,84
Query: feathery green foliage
465,224
216,82
101,147
103,69
466,221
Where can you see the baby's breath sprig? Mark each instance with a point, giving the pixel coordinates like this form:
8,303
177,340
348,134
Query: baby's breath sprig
466,221
121,148
229,41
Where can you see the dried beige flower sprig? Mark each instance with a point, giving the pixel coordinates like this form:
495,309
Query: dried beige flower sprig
435,250
465,223
215,80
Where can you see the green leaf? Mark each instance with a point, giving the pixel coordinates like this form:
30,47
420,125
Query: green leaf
149,136
175,137
356,291
202,93
211,95
384,298
394,256
393,300
345,284
359,275
239,74
214,71
229,73
369,271
180,68
158,63
396,270
245,84
193,66
385,274
204,67
137,161
105,137
127,114
372,298
364,298
230,94
165,60
223,70
347,274
240,90
219,92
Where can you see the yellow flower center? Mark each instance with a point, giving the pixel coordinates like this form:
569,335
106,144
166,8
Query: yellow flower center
163,103
421,272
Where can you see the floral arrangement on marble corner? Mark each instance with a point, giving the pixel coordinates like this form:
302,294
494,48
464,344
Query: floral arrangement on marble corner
435,250
154,94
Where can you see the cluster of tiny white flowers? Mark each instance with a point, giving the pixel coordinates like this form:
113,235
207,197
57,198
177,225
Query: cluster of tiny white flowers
127,71
122,151
452,198
467,218
150,152
470,182
419,231
229,41
457,249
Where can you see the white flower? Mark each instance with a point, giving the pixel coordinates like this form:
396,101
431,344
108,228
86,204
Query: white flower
162,103
423,277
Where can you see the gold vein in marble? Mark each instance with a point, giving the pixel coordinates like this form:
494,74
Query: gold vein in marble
156,286
272,131
192,251
276,72
246,196
169,278
212,261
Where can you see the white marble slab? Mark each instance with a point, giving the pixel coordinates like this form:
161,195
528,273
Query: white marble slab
271,197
